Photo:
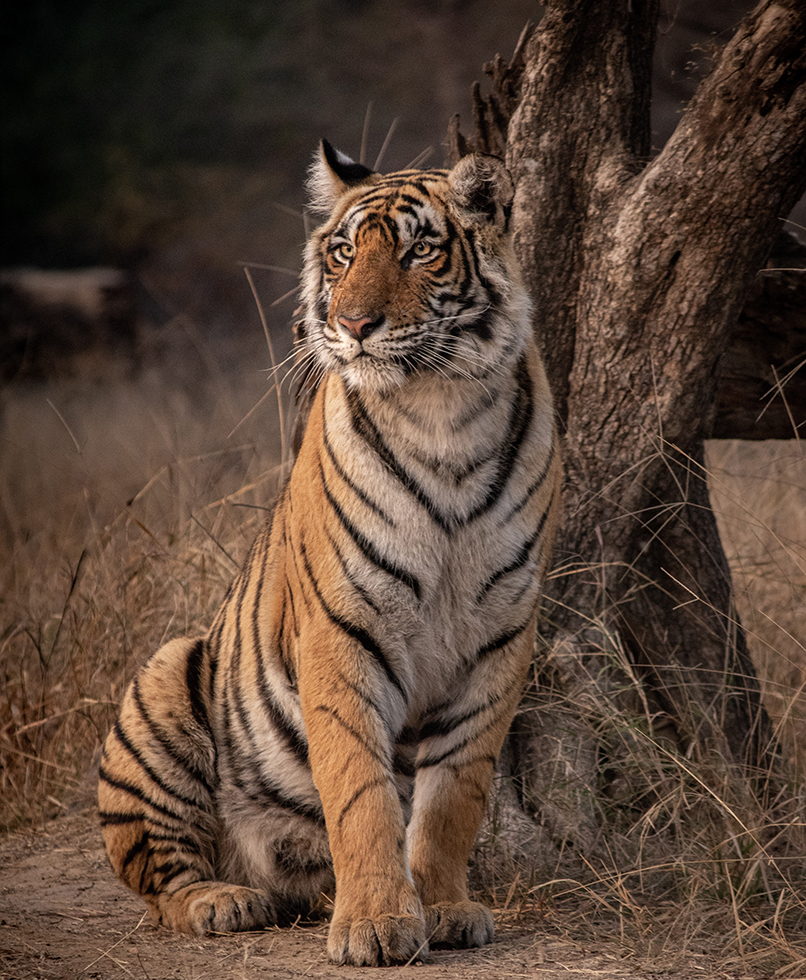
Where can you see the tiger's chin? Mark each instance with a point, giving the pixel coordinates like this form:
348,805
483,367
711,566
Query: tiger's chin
371,375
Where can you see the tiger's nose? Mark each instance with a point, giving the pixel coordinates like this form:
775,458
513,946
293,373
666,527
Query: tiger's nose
360,327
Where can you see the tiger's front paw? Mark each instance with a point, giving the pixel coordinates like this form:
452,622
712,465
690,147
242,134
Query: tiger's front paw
380,941
459,924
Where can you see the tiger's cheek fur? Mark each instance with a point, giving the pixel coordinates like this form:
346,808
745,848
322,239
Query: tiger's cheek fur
379,633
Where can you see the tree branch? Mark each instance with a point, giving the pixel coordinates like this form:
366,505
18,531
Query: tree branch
669,260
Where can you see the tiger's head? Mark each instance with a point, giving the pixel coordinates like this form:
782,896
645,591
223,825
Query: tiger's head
412,273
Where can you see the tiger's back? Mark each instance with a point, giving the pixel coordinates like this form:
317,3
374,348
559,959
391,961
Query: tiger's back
380,631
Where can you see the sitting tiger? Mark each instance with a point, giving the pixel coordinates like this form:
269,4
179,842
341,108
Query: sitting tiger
340,722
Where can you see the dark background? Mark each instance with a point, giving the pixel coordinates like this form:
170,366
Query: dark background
171,139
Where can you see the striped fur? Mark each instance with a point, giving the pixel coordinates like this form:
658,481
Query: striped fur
340,722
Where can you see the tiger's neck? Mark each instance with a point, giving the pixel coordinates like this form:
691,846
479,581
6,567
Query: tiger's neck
448,419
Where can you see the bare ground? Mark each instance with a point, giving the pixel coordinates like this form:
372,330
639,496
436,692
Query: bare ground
63,915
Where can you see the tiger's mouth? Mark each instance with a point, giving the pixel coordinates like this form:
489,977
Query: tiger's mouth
382,352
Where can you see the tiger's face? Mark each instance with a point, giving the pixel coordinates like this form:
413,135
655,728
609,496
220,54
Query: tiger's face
412,274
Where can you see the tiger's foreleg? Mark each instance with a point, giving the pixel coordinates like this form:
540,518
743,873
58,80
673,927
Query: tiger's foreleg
156,796
378,917
454,770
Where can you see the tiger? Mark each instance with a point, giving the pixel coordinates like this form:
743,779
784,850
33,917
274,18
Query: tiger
335,732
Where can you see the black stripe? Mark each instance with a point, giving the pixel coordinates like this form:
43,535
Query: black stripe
284,652
232,698
234,673
391,227
418,202
498,643
140,847
438,466
214,638
484,404
118,819
491,291
290,594
359,588
436,760
193,676
371,784
355,632
257,788
146,766
142,888
138,794
534,486
402,762
121,819
519,422
408,736
367,430
481,325
334,714
460,288
362,496
188,843
266,794
188,763
293,741
440,727
361,695
365,546
520,559
170,870
292,551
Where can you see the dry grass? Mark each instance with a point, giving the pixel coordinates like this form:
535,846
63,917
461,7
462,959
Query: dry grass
683,856
124,510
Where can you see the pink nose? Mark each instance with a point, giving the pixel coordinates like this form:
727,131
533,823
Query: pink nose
361,327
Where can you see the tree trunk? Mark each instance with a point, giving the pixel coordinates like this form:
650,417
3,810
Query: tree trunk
639,270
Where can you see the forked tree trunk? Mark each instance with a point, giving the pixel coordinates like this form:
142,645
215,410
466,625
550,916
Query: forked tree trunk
639,270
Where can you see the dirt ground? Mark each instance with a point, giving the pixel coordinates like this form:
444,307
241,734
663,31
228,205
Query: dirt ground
64,916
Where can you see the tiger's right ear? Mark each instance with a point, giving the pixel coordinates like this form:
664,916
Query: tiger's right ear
331,174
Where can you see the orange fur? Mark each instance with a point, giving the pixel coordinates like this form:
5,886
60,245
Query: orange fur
380,632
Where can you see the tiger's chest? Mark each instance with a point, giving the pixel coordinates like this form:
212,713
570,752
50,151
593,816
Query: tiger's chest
423,516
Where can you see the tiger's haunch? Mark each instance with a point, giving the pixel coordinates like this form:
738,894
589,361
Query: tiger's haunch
339,724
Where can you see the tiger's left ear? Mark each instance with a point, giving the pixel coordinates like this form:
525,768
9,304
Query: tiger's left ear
331,174
483,191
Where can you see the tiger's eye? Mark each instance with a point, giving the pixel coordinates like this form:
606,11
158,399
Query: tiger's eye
344,251
421,249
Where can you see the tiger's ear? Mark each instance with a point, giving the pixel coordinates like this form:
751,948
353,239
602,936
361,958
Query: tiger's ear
483,191
331,174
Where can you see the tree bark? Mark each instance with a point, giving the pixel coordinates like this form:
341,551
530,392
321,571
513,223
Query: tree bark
639,270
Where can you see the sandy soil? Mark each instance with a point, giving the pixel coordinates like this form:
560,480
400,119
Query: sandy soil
63,915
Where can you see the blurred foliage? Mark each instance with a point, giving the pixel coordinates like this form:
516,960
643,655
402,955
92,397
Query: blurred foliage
110,108
103,102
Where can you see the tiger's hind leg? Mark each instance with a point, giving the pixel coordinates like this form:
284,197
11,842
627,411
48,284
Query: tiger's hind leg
157,800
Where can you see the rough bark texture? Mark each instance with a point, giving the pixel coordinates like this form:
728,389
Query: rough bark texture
639,270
